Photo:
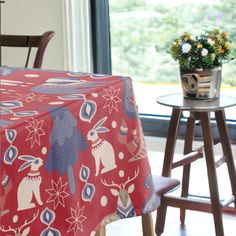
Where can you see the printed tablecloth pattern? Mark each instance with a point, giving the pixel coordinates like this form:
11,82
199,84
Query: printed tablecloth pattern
72,154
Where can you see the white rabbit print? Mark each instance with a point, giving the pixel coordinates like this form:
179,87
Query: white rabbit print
30,184
102,150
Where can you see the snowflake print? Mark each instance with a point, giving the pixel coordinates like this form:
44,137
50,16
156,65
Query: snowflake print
76,220
57,193
35,131
31,97
111,98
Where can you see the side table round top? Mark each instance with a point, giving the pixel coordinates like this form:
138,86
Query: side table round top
177,101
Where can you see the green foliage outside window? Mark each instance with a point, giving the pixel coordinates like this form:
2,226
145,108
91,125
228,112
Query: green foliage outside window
142,32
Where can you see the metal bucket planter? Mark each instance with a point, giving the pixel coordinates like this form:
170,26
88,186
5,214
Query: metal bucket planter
202,84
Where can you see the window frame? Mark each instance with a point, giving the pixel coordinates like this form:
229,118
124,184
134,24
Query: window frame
101,45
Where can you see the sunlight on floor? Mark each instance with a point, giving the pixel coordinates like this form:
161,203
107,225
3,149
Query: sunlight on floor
133,226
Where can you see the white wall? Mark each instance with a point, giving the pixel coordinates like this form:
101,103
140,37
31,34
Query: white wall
69,49
34,17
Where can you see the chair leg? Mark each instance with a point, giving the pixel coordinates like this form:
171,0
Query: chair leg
101,231
160,219
147,225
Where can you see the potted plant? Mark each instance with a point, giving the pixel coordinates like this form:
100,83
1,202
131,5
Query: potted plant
200,59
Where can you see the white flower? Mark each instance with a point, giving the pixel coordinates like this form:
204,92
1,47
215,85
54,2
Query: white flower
204,52
186,47
210,41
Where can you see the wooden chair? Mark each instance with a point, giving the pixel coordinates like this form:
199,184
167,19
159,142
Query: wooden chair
28,41
162,186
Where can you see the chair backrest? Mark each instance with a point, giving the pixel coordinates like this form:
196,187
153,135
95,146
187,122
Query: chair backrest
29,41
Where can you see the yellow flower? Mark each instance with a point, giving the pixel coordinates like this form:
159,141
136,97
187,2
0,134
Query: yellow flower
199,45
224,34
227,45
210,36
220,50
186,37
176,43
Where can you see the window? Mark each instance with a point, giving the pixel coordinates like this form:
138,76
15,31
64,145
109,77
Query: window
142,32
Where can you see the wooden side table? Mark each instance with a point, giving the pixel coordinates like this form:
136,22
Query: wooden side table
199,110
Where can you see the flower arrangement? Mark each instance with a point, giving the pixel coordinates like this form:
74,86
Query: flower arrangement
207,50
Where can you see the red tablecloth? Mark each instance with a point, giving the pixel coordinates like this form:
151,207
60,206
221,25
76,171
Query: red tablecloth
72,155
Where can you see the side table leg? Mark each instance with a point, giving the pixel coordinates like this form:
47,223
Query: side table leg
211,171
189,136
171,142
168,160
227,150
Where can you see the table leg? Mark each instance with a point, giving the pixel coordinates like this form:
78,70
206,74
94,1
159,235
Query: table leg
227,151
168,160
211,171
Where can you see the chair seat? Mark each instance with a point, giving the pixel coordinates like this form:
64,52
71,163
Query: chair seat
163,184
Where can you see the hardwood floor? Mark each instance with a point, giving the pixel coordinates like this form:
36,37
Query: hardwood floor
196,223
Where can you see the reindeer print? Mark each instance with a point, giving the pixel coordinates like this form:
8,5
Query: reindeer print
125,207
23,230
